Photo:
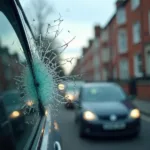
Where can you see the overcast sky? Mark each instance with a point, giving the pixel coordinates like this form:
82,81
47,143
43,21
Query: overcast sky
80,16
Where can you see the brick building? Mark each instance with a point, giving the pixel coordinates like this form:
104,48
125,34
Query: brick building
7,76
121,50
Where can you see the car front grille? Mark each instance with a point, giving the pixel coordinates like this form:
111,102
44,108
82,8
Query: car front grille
118,117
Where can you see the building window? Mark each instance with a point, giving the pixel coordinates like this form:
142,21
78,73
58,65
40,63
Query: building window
104,36
114,73
122,41
124,69
105,55
96,60
121,16
136,32
97,75
105,74
138,65
135,4
149,21
147,59
96,43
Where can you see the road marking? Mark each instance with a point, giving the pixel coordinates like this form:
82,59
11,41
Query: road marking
145,118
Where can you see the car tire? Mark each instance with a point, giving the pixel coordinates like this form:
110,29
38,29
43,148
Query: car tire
136,134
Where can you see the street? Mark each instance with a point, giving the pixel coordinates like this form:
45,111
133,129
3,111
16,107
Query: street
71,140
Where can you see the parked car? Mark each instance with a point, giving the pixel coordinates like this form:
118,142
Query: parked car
72,92
13,104
41,129
105,110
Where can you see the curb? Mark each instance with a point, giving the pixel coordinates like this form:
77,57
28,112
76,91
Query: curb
145,113
142,110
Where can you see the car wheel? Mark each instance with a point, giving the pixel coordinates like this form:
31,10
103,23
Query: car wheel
136,134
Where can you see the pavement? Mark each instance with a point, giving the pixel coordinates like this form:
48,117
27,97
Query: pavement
143,105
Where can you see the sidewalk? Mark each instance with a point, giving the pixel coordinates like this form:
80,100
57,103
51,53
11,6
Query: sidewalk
144,106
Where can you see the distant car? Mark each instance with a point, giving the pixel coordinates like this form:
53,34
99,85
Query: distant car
13,104
105,110
72,93
61,89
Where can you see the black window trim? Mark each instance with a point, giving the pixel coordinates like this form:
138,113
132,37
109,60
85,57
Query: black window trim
37,139
12,6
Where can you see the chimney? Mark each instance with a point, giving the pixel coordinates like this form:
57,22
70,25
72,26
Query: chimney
78,61
119,2
97,31
90,43
84,51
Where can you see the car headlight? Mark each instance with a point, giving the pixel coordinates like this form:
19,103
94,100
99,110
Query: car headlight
89,116
135,113
15,114
69,97
29,103
61,87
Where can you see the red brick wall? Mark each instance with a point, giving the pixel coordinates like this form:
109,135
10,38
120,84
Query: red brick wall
88,63
143,91
126,88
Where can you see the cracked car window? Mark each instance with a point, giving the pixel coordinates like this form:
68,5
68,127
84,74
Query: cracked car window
20,109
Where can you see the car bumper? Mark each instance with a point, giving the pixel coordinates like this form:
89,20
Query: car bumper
69,105
18,124
97,129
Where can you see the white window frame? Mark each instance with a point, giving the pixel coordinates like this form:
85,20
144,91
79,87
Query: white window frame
122,47
105,55
104,36
96,43
105,74
97,75
149,21
121,16
137,65
147,59
136,31
124,70
96,61
135,4
115,73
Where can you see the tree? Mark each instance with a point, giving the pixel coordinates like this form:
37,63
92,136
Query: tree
42,11
45,41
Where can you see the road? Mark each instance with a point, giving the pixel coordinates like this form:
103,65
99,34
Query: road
71,140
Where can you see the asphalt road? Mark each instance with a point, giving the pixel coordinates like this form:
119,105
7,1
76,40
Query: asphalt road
71,140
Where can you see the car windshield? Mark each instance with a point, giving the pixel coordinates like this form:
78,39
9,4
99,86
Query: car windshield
103,93
70,87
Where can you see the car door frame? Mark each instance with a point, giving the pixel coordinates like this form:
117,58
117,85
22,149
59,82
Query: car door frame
36,139
44,139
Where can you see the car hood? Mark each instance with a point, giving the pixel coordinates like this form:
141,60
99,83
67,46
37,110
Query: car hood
12,108
105,108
